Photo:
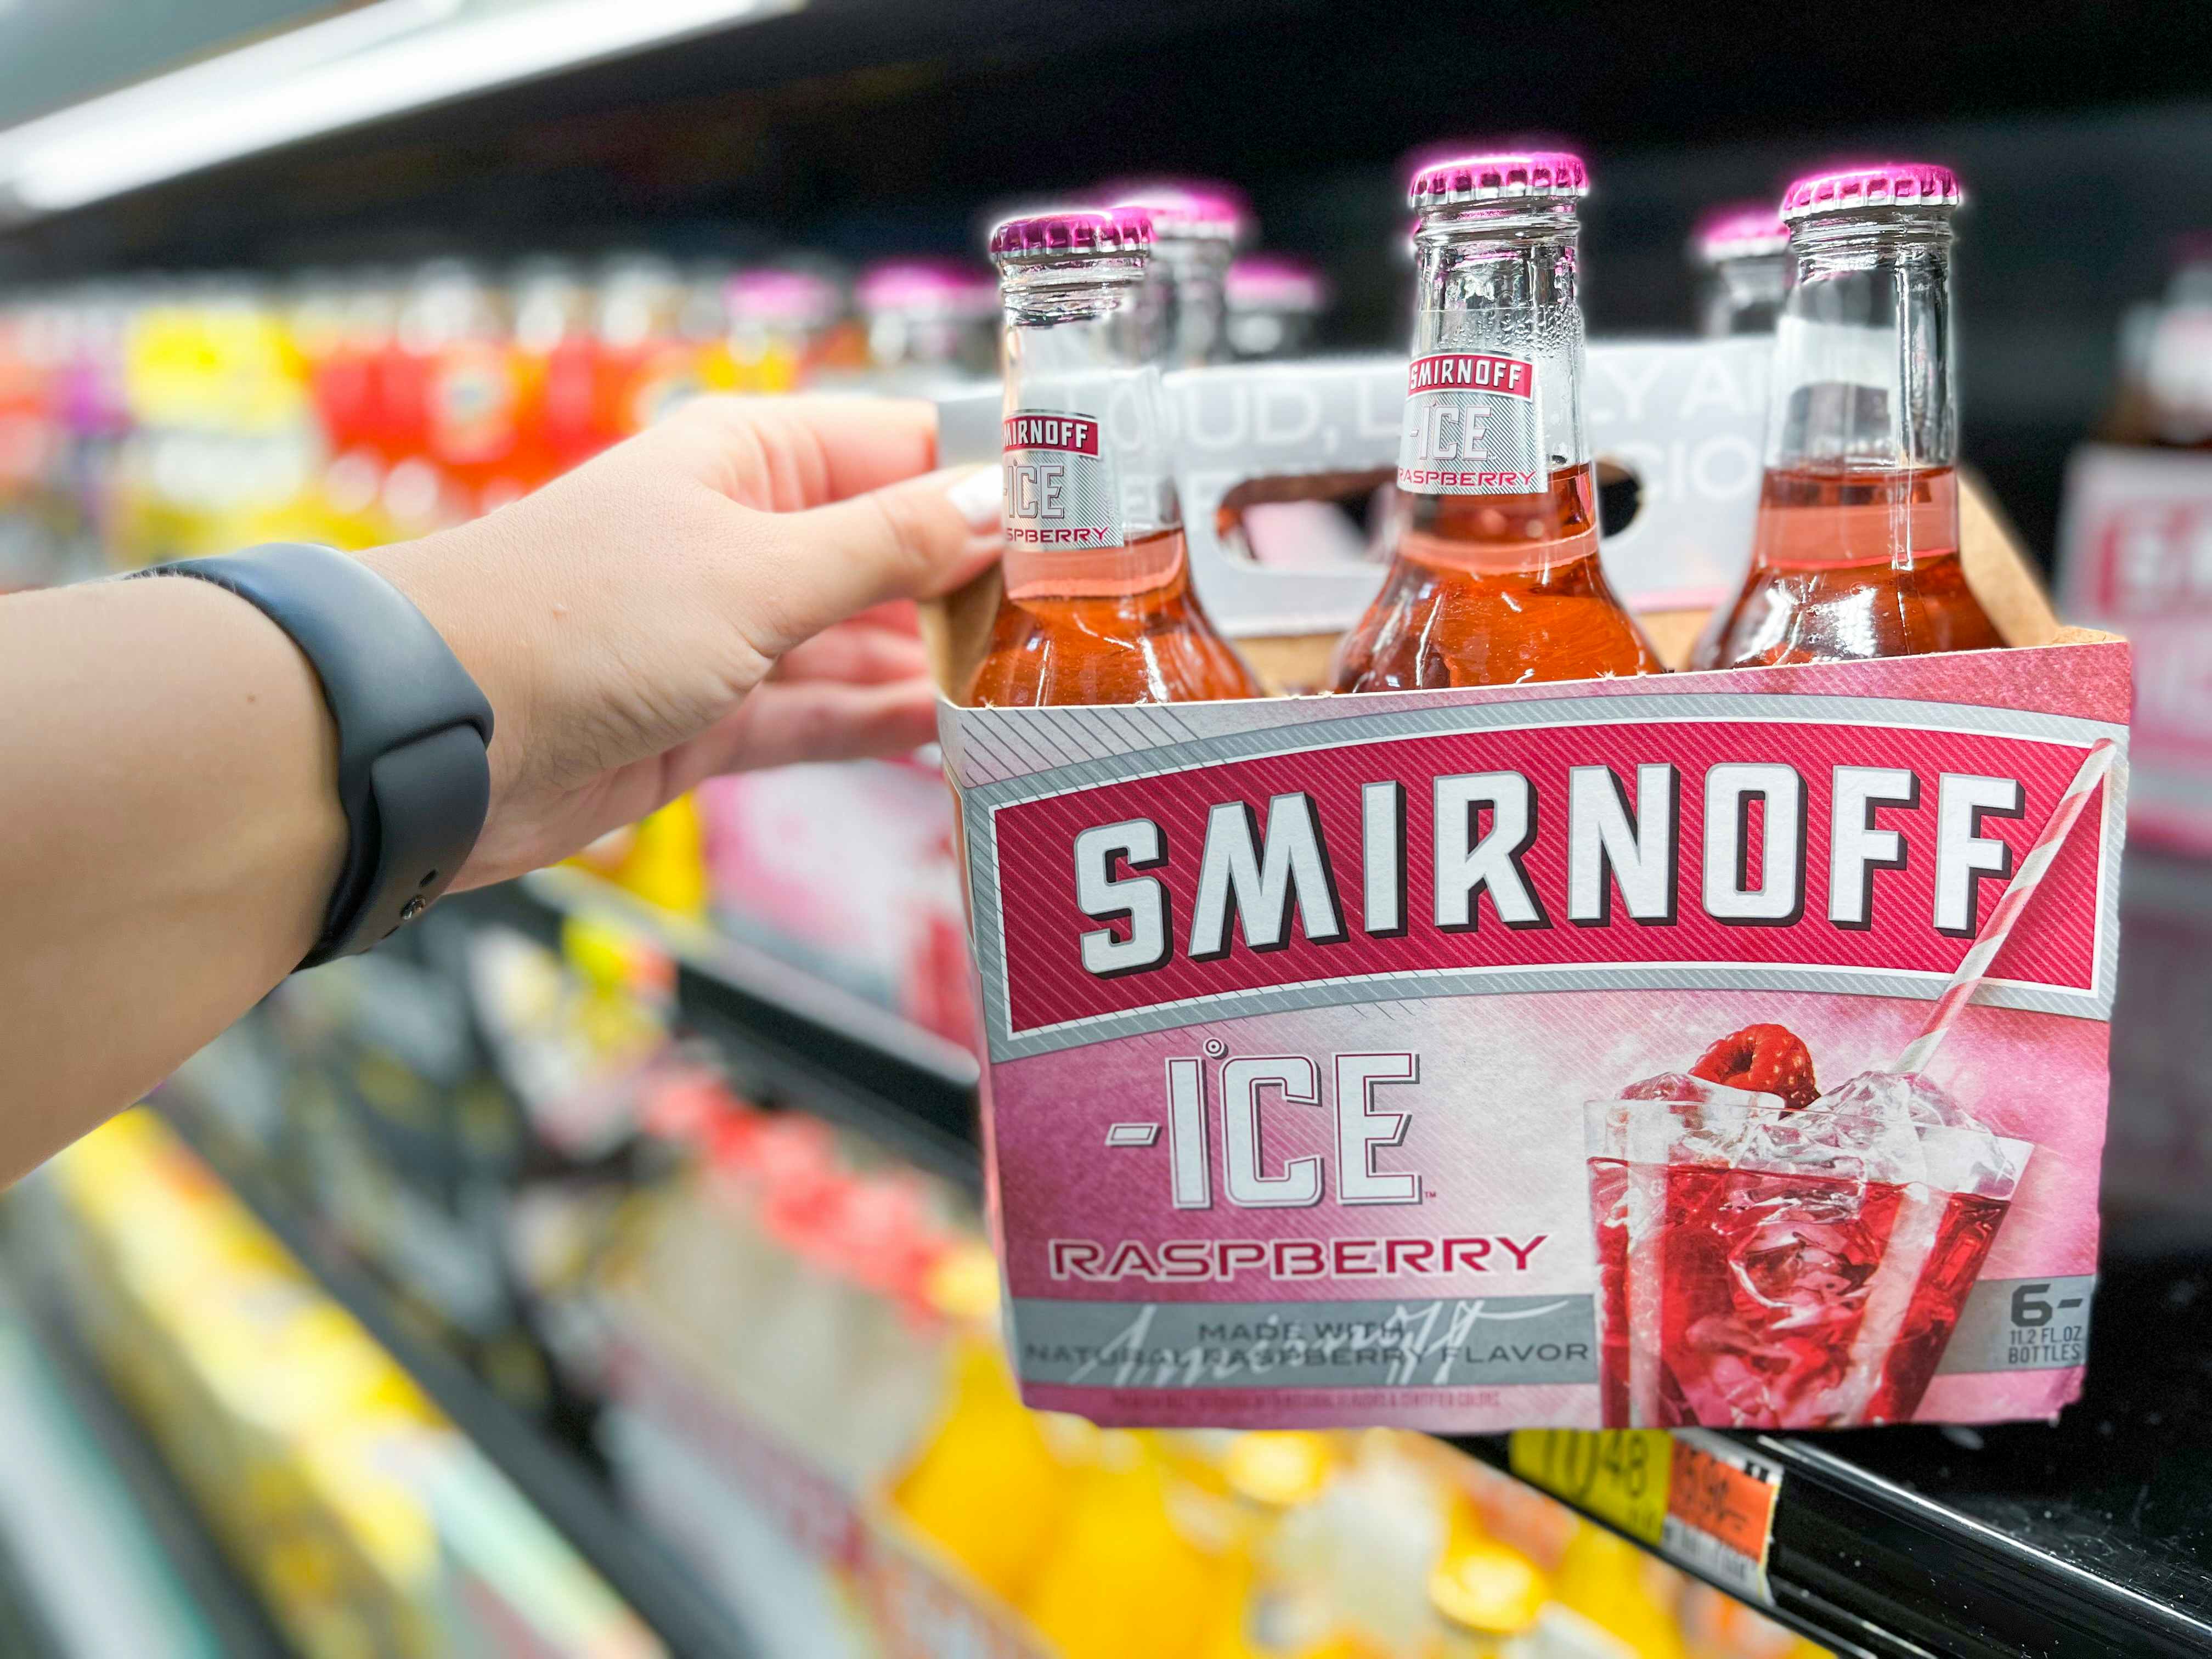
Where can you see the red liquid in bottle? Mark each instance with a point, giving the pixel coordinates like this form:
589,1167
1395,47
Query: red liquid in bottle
1495,590
1849,565
1121,625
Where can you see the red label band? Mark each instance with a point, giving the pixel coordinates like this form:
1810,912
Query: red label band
1076,434
1472,371
1807,845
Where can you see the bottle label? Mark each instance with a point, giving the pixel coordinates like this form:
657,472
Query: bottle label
1473,426
1060,489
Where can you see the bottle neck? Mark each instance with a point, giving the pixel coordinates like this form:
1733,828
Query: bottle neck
1500,282
1864,375
1744,295
1090,499
1179,318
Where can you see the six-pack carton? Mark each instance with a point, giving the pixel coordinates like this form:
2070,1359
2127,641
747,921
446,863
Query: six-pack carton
1443,1058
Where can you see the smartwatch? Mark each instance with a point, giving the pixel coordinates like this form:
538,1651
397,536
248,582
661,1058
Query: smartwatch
413,730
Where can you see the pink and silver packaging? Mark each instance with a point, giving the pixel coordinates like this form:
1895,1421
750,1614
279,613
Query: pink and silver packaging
1721,1048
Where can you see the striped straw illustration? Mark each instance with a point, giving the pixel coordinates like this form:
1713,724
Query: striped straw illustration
1998,928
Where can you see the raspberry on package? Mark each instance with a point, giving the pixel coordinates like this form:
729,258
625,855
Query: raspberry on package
1771,1059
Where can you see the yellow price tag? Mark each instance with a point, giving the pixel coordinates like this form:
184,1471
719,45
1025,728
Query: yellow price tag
1620,1475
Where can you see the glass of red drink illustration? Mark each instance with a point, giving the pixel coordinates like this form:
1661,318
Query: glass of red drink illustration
1762,1267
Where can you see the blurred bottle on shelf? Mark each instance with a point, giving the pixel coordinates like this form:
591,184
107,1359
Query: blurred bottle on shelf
2165,393
1124,1578
455,327
1273,302
343,328
1495,578
1741,253
1179,316
1098,606
94,420
1855,554
929,322
825,1332
554,370
224,445
1488,1595
785,329
1237,1494
1611,1584
367,1521
988,1456
27,435
646,363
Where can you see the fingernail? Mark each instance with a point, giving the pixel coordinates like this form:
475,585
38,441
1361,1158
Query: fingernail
976,499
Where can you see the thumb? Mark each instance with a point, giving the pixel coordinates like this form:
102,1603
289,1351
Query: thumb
911,540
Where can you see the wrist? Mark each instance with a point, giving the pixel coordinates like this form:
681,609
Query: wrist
412,726
446,576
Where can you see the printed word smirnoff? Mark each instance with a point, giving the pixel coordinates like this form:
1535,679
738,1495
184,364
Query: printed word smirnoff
1624,862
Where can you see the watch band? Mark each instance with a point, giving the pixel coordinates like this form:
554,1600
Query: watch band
413,730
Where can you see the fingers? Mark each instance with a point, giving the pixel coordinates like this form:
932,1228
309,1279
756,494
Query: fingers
780,722
908,541
786,454
898,615
857,655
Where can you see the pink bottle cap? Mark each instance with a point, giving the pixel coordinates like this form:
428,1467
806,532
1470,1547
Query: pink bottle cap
1072,233
1517,175
1740,230
779,294
1195,209
1275,282
927,287
1874,185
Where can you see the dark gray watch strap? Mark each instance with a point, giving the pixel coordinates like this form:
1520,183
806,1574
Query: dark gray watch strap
413,730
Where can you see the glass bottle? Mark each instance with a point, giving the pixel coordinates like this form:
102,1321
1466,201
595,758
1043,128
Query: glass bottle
1741,251
783,322
1197,226
455,326
2166,358
1273,301
1495,578
929,321
1098,605
1856,552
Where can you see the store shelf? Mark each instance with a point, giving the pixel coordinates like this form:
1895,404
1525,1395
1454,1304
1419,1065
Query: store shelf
679,1610
840,1055
2090,1537
100,1538
101,1550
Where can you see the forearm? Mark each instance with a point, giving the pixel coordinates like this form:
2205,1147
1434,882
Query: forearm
169,837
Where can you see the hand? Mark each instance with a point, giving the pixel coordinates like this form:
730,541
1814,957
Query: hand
723,591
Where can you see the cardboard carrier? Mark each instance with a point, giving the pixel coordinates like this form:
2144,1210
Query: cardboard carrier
1338,1046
